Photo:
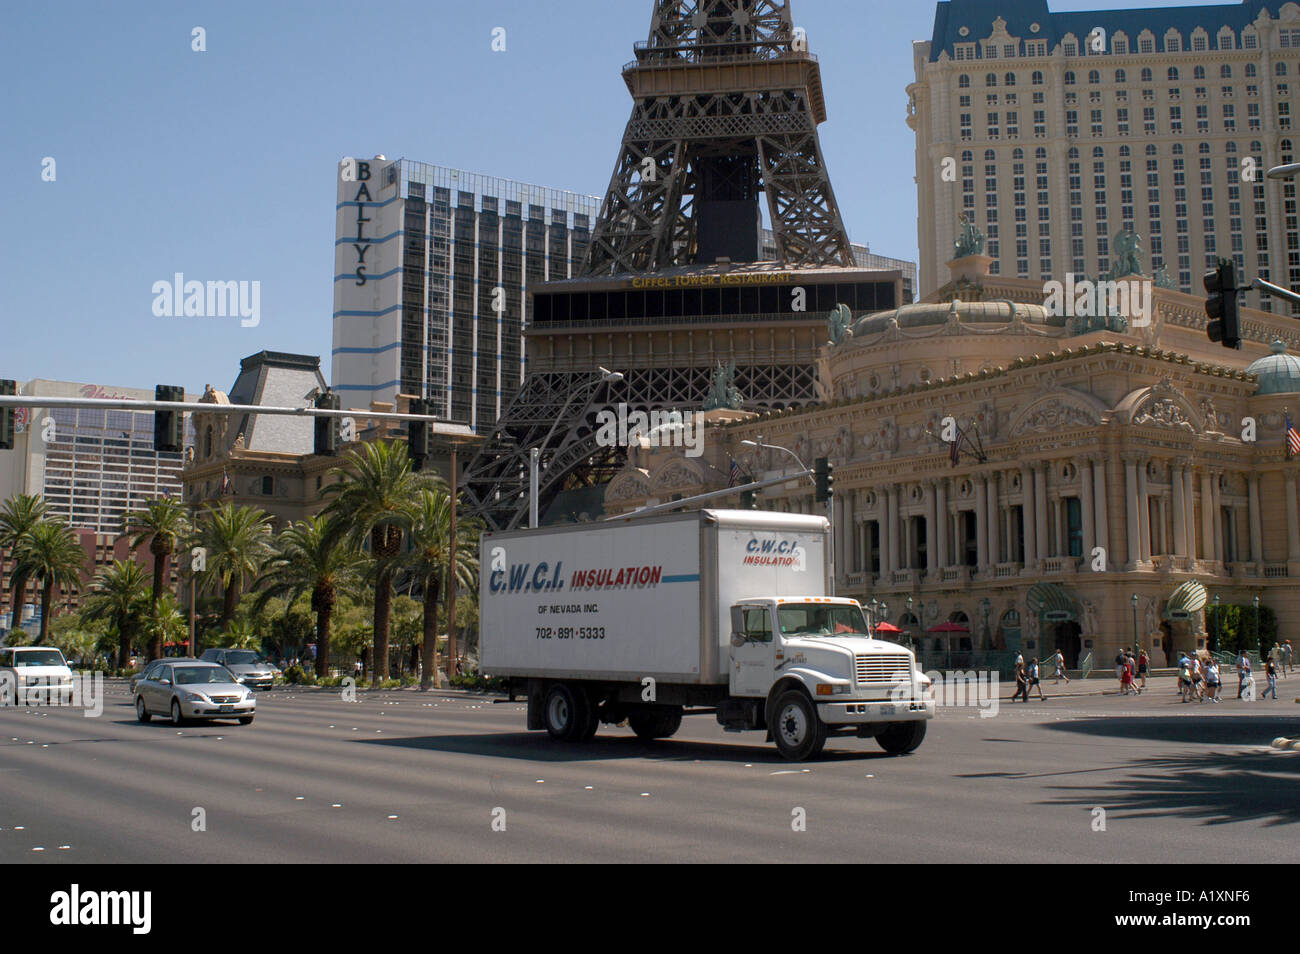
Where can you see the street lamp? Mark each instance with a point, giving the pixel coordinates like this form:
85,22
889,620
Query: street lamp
1135,622
985,607
1217,636
1259,643
1289,171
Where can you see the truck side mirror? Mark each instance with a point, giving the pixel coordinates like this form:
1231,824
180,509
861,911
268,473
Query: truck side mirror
738,639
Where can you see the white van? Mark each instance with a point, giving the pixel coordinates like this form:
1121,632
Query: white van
30,675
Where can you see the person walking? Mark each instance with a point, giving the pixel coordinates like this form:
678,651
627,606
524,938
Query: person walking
1286,657
1121,663
1058,661
1243,672
1033,680
1185,678
1125,678
1212,681
1270,670
1022,681
1144,662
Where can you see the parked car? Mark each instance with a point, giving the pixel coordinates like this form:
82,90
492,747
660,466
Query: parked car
184,690
34,674
250,666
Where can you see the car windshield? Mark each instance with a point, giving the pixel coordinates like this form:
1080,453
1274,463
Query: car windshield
39,657
198,675
243,657
821,619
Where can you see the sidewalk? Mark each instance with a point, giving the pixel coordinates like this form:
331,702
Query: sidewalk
1287,687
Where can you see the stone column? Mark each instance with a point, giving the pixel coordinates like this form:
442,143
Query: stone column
1040,510
1207,516
1292,520
981,522
941,521
1256,525
1058,538
995,550
891,520
1189,501
1134,542
1085,508
1180,510
1144,512
1027,522
931,531
1219,549
1102,510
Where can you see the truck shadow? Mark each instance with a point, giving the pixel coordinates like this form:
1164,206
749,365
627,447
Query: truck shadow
538,747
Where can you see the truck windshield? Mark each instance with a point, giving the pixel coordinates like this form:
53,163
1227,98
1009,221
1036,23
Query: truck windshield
820,619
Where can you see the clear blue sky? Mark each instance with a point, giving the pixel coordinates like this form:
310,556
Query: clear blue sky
221,164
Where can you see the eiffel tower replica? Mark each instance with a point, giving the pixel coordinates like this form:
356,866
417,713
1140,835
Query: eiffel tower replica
674,282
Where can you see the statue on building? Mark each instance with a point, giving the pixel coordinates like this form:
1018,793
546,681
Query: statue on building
1162,279
1127,247
722,392
839,324
971,239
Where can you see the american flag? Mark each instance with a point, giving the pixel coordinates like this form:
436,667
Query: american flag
1292,438
733,472
225,481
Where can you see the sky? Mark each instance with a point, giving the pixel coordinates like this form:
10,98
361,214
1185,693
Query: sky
220,164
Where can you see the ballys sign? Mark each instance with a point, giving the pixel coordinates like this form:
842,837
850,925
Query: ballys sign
98,393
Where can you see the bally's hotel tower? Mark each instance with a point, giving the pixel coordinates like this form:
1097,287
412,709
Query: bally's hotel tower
430,270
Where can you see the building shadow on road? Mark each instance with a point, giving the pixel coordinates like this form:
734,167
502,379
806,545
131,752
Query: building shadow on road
1211,783
538,747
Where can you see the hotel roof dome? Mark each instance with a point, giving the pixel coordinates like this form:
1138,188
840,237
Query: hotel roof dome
1278,373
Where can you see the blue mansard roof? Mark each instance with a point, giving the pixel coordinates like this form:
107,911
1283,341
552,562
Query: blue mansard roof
978,15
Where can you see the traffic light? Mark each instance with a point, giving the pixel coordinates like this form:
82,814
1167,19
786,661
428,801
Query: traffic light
748,500
824,480
327,428
7,415
1221,306
168,426
418,434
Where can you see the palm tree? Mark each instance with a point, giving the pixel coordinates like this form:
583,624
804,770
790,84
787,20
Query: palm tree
373,500
164,523
51,555
163,622
118,596
428,561
21,513
310,559
236,539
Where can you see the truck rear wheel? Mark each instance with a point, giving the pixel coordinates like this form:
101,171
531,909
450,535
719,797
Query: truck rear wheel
566,712
797,730
660,723
899,738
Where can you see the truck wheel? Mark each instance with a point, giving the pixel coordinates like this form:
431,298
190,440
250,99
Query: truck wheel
796,728
899,738
565,713
660,723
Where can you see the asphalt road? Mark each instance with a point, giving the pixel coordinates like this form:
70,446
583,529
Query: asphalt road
408,777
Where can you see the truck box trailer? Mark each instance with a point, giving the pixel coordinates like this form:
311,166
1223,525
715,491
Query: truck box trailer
722,611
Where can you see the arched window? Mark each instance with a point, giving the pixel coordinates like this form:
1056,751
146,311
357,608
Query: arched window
991,79
963,81
207,442
967,156
1230,148
1040,153
1203,149
1178,149
1073,153
1173,74
1094,77
1256,146
1279,69
1037,78
1250,71
1151,151
1225,71
1121,76
1123,152
1146,74
1017,153
989,155
1069,78
1009,79
1098,152
1198,72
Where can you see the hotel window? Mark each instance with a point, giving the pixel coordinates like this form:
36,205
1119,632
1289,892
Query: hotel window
1121,76
1096,123
993,126
1227,41
965,126
1069,78
1173,44
1149,120
991,79
1279,69
963,101
1202,119
1251,72
1252,116
1070,48
1008,49
1119,45
1121,117
1009,79
1172,76
1037,78
963,81
991,52
1072,123
1146,45
1074,526
1013,125
1229,118
965,51
1175,119
1283,115
1290,39
1200,43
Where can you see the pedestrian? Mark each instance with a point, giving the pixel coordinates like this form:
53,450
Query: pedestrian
1022,680
1286,657
1121,663
1212,681
1033,680
1058,662
1185,678
1270,670
1144,663
1243,672
1125,678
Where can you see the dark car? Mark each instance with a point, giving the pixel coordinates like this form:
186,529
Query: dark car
250,666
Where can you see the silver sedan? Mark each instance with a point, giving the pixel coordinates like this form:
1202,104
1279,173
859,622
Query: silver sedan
187,689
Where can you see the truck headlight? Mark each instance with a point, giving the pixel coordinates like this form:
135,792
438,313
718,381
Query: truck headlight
833,689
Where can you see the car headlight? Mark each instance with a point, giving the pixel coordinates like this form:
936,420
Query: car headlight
193,696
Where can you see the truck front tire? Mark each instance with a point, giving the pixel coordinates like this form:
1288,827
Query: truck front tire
660,723
899,738
798,731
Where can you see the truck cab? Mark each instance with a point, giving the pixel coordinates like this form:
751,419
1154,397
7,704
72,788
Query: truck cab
813,661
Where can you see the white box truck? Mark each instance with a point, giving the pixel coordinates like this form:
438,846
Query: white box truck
722,611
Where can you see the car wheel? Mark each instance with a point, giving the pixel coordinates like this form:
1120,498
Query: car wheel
796,728
900,738
177,718
141,710
245,720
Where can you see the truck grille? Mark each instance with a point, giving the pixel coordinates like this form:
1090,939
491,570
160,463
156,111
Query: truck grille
885,668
